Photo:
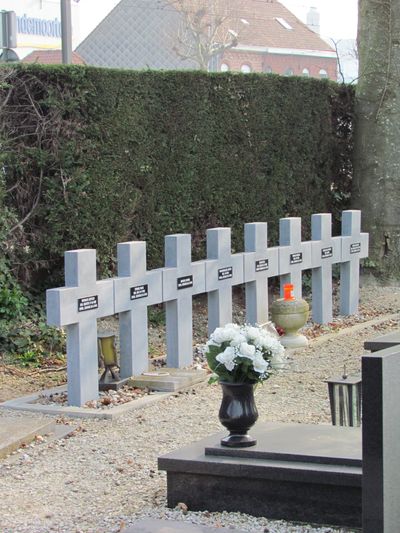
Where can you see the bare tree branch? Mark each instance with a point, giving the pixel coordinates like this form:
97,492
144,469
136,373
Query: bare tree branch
206,30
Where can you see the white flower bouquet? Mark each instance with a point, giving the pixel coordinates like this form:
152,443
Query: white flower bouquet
243,354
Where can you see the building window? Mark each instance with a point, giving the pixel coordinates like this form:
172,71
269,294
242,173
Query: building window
288,72
224,67
323,74
284,23
245,68
306,73
267,69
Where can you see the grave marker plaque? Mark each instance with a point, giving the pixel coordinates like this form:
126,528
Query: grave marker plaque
354,248
260,264
77,306
326,250
223,270
294,255
135,289
181,280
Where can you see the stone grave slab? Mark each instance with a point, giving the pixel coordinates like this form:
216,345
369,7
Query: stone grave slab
260,264
294,255
135,289
354,248
16,431
223,271
169,379
383,341
326,251
174,526
308,482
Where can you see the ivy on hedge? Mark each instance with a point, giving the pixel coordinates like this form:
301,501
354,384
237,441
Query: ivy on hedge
125,155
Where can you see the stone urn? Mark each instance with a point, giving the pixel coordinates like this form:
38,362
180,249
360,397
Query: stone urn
290,314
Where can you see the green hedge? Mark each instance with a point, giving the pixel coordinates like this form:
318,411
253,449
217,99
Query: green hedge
122,155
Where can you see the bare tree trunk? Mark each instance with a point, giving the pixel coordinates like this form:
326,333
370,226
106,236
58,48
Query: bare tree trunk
376,184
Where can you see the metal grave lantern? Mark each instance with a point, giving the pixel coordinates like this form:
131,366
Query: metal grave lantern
345,399
107,353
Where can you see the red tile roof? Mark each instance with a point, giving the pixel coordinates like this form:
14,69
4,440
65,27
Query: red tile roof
263,29
51,57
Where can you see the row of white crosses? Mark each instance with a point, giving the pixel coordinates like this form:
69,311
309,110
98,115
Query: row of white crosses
83,300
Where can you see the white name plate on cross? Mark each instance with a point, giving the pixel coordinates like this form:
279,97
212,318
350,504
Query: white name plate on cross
260,263
326,250
181,280
354,248
223,271
294,255
77,306
135,289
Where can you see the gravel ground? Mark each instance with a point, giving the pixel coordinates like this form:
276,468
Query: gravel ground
105,476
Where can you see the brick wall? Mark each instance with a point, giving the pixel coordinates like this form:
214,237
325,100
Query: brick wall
279,64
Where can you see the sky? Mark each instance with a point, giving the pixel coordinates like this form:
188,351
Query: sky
338,17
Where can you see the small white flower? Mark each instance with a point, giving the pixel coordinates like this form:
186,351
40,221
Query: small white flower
247,350
252,333
225,334
227,358
238,339
259,363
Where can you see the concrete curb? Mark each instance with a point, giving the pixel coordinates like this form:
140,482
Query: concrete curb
353,329
25,404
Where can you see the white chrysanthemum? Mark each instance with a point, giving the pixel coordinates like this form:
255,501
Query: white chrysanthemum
247,350
227,358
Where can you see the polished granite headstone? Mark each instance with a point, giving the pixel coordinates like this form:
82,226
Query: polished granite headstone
309,473
381,441
383,341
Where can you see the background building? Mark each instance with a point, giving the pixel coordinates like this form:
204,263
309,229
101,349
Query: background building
267,36
39,24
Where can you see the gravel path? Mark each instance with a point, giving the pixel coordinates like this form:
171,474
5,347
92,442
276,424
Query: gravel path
105,476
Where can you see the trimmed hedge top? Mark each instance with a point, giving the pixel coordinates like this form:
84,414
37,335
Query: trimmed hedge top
117,155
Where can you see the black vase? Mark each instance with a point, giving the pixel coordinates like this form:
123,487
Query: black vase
238,413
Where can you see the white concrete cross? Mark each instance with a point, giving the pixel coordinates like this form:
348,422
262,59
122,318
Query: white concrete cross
326,250
223,270
77,306
260,263
294,255
135,289
181,280
354,248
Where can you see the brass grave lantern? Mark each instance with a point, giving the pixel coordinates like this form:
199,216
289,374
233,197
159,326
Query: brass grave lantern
107,353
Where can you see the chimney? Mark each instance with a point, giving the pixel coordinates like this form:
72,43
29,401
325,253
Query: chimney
313,20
